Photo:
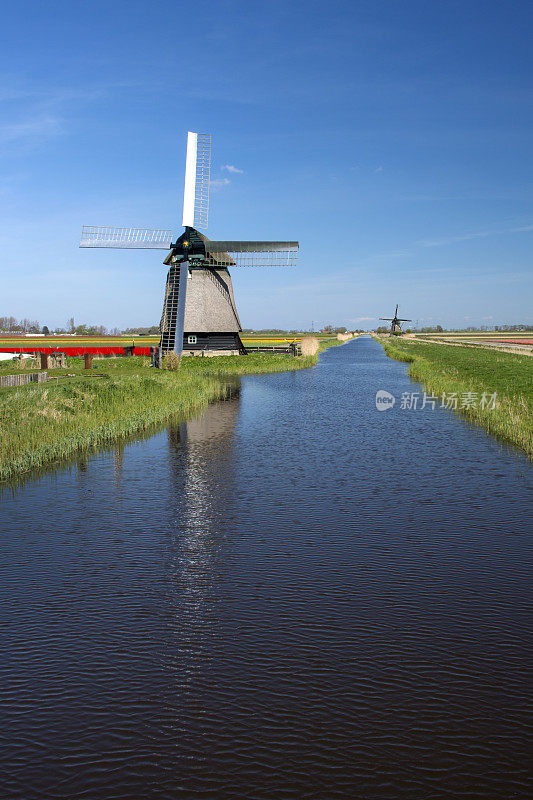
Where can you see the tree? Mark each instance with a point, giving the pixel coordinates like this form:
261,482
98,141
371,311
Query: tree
33,326
96,330
45,330
71,326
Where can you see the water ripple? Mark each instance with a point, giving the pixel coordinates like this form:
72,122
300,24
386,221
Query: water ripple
293,596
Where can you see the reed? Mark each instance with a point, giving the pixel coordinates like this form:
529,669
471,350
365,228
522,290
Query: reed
171,362
309,345
253,364
44,423
442,368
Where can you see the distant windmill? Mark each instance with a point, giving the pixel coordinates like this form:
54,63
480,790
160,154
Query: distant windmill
199,312
395,328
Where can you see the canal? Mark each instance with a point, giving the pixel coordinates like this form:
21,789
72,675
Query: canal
294,595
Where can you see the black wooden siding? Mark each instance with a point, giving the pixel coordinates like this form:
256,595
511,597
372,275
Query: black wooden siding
213,341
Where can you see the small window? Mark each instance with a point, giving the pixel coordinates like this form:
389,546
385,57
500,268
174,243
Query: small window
191,340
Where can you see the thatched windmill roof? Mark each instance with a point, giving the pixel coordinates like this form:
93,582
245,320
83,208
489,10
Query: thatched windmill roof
210,304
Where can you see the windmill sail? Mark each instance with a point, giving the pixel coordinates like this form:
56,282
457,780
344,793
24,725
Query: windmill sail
128,238
197,173
199,312
252,254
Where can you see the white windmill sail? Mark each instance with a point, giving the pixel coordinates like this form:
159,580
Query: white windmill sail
193,257
253,254
197,175
128,238
195,206
195,211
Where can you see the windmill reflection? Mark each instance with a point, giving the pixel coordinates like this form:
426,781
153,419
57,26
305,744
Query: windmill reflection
118,463
202,472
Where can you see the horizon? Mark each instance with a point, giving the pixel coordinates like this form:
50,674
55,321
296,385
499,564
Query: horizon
393,143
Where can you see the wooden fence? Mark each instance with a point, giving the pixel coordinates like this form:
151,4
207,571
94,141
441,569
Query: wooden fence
293,349
22,378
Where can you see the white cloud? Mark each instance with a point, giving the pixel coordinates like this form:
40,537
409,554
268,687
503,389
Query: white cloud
465,237
31,130
41,114
218,183
379,169
231,168
453,239
520,230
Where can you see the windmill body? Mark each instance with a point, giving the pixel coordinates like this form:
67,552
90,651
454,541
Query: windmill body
395,328
210,319
199,312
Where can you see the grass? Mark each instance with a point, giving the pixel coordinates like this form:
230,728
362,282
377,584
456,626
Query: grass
45,423
484,334
442,368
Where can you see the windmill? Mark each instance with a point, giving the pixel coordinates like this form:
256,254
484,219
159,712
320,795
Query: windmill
199,312
395,328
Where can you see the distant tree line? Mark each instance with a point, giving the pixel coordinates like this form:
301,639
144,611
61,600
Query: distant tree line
469,329
270,331
285,332
12,325
331,329
86,330
151,331
513,328
429,329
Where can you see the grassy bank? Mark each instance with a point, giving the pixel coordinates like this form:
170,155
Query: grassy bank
448,369
43,423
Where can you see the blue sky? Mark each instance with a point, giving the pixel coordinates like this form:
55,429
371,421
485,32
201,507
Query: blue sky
392,139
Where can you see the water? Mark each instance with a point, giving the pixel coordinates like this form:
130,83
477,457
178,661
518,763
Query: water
294,596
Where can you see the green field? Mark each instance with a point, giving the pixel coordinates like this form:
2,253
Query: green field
486,334
448,369
77,341
140,341
43,424
518,342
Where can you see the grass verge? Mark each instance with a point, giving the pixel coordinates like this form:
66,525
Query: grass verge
44,423
448,369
